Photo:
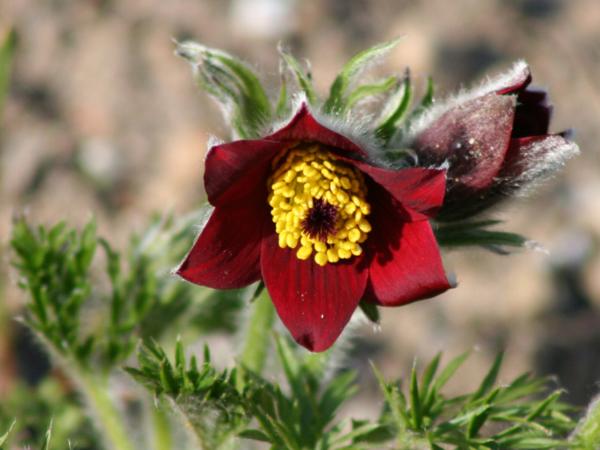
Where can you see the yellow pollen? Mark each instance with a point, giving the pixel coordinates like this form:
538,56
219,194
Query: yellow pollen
309,177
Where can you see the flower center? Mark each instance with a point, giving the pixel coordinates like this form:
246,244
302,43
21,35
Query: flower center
318,204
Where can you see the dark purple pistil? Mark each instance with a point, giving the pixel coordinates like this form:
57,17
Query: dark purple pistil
320,220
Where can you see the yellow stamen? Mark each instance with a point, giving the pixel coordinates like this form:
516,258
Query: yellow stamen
309,177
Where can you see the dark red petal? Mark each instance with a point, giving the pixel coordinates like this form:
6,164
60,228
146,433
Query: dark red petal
519,81
405,264
420,191
313,302
519,157
533,113
236,169
473,138
227,252
232,170
304,127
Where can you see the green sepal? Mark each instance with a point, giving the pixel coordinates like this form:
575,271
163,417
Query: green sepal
370,310
337,100
423,105
303,78
369,90
477,234
233,84
282,107
395,109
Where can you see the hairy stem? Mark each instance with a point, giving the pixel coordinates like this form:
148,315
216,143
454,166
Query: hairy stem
108,418
587,434
161,429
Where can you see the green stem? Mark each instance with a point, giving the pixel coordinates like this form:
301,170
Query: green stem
109,419
258,333
587,433
161,428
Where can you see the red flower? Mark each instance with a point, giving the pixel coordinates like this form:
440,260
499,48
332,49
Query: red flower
494,140
304,211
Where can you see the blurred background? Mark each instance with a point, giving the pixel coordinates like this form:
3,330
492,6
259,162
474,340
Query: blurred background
102,119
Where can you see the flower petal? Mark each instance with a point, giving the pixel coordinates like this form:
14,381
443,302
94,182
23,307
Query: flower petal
420,191
313,302
472,137
236,169
533,113
304,127
233,170
406,264
224,255
534,158
517,79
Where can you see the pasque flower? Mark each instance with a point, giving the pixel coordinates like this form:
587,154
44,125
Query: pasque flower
304,210
493,139
335,206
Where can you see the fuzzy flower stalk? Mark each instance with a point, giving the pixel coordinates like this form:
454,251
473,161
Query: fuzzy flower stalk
344,201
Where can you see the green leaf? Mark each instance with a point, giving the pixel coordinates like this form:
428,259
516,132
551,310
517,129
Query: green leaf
254,434
4,437
370,310
303,79
395,110
476,233
232,84
336,102
425,103
47,437
428,393
363,431
394,399
340,389
477,421
427,99
369,90
415,400
489,379
282,106
449,371
544,405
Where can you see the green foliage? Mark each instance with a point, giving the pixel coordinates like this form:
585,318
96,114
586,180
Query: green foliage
395,109
231,83
45,444
207,399
491,417
296,407
587,434
35,406
4,437
282,106
54,266
363,91
90,322
370,310
306,416
302,77
142,299
248,109
477,233
337,101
